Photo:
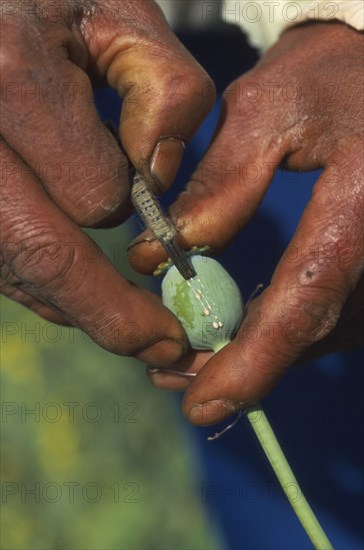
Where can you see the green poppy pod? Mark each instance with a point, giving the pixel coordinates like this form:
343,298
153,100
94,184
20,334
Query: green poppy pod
209,306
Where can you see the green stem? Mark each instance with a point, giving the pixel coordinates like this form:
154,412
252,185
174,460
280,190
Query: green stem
286,477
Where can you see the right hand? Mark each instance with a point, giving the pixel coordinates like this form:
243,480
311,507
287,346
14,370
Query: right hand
314,302
62,169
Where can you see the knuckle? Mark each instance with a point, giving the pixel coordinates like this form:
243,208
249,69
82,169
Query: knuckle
32,62
199,85
316,291
191,88
86,215
99,198
42,259
115,332
313,312
323,318
22,69
21,48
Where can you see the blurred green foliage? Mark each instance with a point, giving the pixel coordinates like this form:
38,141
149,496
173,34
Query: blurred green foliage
103,461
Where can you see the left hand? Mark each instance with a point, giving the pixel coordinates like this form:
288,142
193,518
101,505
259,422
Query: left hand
300,107
62,170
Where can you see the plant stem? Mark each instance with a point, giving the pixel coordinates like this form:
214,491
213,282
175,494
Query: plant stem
283,471
286,477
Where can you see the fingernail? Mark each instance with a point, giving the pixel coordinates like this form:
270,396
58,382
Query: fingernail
165,161
151,370
139,240
155,375
212,411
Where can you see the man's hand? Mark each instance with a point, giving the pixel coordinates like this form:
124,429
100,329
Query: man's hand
61,168
300,107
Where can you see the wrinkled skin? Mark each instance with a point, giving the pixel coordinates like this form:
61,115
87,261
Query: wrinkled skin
53,143
62,169
312,117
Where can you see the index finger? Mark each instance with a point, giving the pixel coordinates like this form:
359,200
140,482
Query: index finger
318,271
166,93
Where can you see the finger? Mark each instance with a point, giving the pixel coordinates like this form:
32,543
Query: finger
313,280
180,375
166,94
57,263
229,183
50,120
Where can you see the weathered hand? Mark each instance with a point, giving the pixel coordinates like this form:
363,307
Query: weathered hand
61,168
300,107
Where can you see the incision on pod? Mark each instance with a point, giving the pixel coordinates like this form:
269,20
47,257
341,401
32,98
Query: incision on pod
209,306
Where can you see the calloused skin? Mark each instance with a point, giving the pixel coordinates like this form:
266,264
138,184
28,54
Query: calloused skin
62,169
314,303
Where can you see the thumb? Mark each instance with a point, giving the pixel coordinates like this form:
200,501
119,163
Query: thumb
166,93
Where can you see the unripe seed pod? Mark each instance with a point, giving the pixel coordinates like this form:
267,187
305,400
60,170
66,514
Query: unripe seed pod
209,306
